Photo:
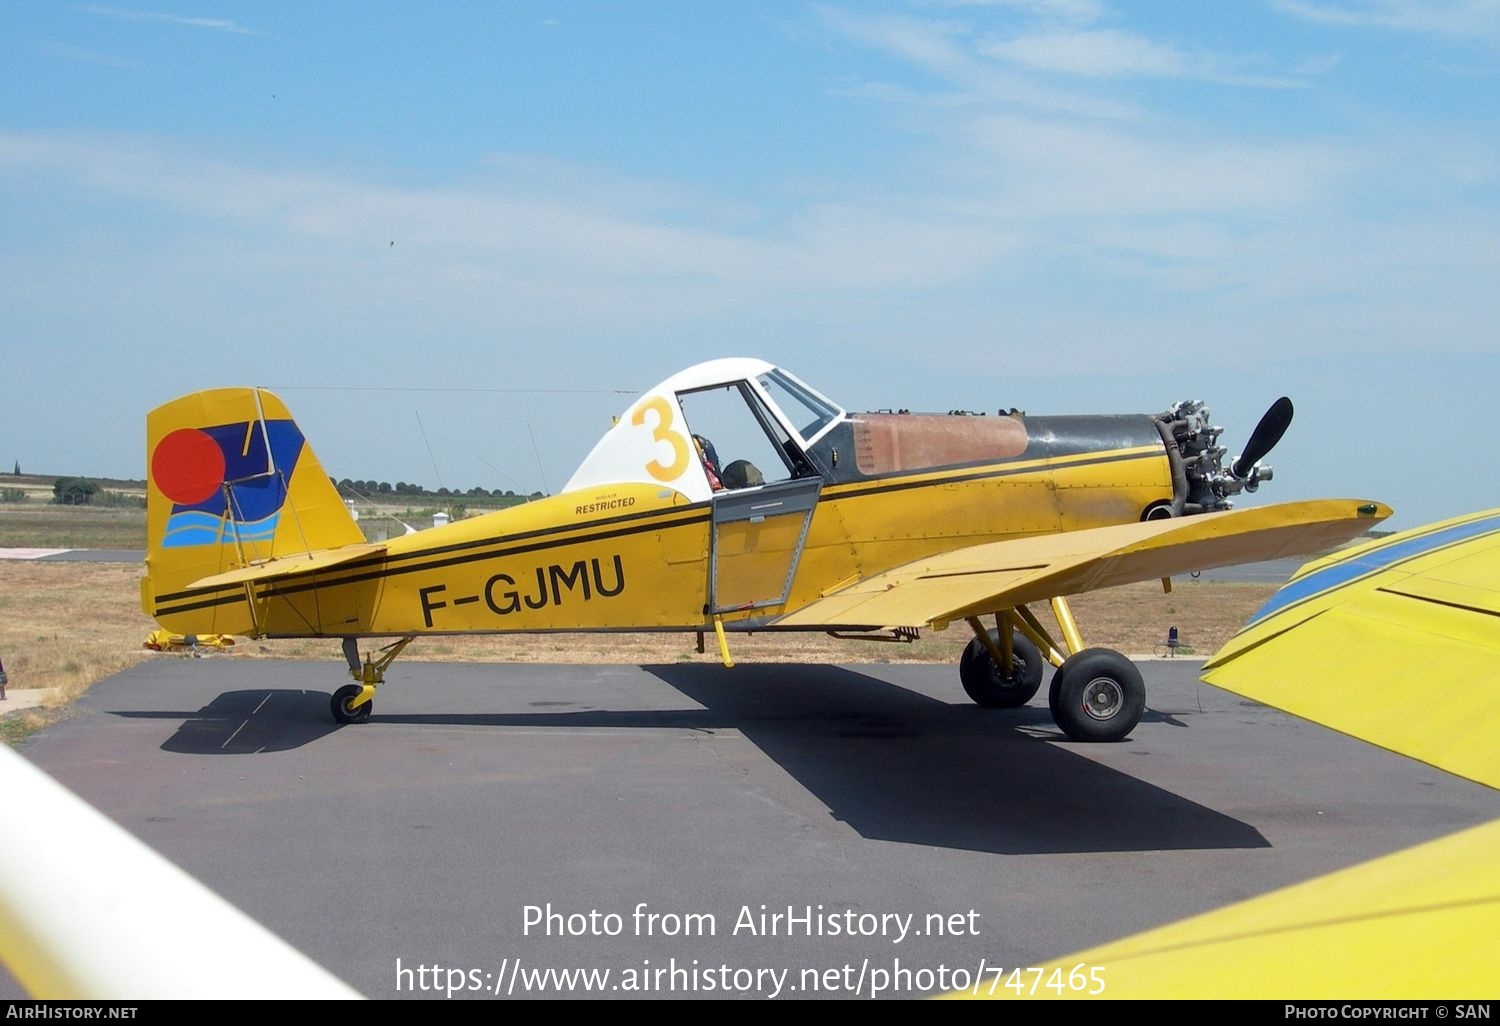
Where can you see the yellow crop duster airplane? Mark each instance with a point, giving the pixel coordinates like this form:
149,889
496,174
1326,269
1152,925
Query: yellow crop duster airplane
734,497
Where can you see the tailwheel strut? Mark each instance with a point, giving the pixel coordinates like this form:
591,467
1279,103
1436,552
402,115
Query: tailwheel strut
352,702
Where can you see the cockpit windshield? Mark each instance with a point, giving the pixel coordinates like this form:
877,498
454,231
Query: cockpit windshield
809,412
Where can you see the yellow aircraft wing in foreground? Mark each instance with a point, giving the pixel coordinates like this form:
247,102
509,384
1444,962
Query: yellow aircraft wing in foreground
1396,642
982,578
1420,924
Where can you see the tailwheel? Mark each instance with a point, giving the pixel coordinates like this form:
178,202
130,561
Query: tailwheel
352,702
988,685
343,707
1097,695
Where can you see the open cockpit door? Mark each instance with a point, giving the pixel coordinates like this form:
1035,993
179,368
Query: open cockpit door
757,540
764,493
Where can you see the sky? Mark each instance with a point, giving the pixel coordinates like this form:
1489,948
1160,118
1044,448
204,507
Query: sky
441,232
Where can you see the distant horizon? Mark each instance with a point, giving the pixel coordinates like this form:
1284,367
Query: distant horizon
141,483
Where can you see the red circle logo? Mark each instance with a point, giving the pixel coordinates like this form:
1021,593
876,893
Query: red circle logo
187,466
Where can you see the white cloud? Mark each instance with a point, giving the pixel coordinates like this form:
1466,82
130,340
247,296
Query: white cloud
945,51
1078,12
620,250
1049,169
1115,54
554,242
83,56
1101,54
214,24
1317,64
1457,18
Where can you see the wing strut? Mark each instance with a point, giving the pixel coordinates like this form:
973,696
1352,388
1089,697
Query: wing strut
1067,625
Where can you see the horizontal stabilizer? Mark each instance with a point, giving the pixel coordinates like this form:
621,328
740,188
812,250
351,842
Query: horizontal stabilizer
290,565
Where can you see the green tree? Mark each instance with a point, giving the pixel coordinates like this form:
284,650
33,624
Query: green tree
73,491
18,468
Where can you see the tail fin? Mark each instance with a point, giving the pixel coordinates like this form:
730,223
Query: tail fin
230,482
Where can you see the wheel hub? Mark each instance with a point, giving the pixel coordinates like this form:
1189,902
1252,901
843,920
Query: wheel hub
1012,679
1102,698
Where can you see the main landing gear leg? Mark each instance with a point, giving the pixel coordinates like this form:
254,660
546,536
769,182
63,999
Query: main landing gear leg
999,670
1097,694
352,702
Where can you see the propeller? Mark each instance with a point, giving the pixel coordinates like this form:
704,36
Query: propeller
1264,438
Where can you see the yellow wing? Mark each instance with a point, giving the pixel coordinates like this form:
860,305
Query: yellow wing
1421,924
1396,642
998,575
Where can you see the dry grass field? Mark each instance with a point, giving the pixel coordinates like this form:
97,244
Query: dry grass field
64,626
36,525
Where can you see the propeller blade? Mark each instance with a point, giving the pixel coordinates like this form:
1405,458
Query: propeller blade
1264,438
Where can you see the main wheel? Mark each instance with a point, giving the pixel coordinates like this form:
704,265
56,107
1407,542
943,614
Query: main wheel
1097,695
339,705
988,686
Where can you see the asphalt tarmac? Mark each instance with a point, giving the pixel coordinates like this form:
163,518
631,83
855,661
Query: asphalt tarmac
480,797
76,555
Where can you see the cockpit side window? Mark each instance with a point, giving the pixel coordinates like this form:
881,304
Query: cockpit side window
739,442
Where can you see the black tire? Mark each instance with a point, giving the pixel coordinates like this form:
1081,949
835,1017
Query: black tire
987,686
1097,695
339,705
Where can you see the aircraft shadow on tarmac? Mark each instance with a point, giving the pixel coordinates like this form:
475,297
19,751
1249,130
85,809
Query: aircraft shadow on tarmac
897,765
247,723
892,763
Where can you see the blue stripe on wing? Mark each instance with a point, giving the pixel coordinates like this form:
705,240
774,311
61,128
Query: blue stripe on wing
1346,572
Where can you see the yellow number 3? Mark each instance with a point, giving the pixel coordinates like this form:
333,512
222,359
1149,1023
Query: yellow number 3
663,433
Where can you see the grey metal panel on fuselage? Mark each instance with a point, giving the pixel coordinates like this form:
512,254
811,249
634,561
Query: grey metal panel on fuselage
1077,435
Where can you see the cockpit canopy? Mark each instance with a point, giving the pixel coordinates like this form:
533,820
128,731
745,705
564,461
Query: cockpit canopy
722,425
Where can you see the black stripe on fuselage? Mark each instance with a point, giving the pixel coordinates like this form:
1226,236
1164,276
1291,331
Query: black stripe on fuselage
475,557
500,539
385,570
